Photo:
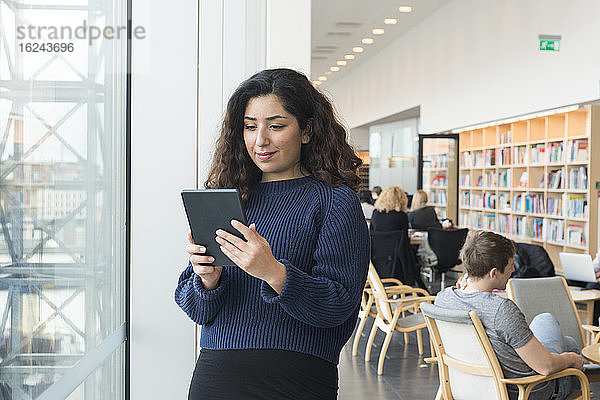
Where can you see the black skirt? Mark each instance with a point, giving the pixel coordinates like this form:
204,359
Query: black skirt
262,374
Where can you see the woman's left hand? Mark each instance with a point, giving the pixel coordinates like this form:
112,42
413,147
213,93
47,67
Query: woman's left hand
253,256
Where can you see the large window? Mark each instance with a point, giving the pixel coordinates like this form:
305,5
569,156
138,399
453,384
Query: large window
62,199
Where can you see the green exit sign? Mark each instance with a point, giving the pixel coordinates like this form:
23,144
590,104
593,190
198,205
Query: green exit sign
549,42
550,45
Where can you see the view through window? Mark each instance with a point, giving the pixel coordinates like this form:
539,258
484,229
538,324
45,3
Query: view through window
62,196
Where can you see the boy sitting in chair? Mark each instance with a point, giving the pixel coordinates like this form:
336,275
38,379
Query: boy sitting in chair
522,350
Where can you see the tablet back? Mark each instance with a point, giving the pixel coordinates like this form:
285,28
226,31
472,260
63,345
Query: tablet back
211,209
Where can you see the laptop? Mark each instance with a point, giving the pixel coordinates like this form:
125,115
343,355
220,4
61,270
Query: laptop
577,267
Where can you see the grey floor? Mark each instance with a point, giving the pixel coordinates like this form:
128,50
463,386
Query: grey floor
405,375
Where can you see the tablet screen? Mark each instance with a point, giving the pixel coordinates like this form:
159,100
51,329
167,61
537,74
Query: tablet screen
211,209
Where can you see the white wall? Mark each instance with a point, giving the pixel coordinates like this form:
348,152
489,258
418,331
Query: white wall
474,61
163,163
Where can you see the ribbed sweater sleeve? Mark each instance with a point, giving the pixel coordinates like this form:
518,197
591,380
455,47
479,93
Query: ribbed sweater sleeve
328,297
199,304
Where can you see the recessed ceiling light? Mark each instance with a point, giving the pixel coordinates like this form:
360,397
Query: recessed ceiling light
334,69
378,31
341,63
367,40
357,49
349,56
322,78
405,9
317,83
390,21
327,72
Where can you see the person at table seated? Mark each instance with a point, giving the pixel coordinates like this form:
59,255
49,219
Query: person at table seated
390,210
366,202
422,216
522,350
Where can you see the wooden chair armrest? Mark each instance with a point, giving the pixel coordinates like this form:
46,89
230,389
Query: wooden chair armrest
392,280
591,328
416,300
431,360
527,380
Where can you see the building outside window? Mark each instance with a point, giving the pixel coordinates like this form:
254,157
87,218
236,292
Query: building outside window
63,185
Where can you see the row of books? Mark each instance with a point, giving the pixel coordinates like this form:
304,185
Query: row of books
552,230
539,153
578,178
465,180
438,196
506,137
436,161
576,207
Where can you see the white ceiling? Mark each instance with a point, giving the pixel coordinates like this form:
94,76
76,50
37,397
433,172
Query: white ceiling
330,40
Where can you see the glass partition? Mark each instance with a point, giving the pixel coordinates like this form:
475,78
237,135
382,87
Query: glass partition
62,194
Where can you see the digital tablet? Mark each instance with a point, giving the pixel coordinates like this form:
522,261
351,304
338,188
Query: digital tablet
211,209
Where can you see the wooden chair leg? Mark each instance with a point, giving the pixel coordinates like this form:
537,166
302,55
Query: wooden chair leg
438,396
406,338
357,335
370,342
420,342
384,347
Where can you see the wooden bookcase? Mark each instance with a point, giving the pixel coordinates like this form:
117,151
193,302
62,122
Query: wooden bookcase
509,180
439,176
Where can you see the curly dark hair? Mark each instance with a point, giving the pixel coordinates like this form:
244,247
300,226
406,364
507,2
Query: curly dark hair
327,156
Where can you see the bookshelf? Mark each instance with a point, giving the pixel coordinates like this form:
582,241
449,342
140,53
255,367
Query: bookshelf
363,170
534,180
439,178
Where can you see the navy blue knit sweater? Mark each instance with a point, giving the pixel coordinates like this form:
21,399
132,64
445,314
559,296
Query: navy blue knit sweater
319,233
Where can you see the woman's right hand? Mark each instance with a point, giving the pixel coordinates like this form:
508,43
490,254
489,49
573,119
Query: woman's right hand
209,274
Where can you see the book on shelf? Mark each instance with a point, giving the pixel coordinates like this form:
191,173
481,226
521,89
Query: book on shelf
506,137
489,200
576,207
490,222
465,180
577,150
575,235
503,156
520,155
490,158
537,153
503,202
535,228
555,152
477,159
505,178
519,226
555,230
523,180
534,203
578,178
554,206
466,159
518,203
465,199
479,181
476,200
504,224
555,179
491,179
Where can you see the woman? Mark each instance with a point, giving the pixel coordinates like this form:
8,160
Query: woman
422,216
375,193
366,202
390,210
274,326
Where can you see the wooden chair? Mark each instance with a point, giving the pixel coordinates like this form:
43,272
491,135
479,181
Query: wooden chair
400,314
392,287
468,367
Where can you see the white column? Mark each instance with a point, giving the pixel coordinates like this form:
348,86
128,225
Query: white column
163,161
237,39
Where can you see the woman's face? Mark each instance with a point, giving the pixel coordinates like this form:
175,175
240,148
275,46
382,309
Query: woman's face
273,138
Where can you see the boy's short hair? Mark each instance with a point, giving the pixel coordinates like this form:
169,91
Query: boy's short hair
484,250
